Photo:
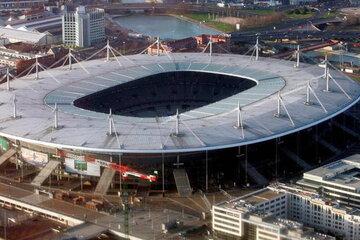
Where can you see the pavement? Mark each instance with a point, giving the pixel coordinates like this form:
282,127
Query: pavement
142,223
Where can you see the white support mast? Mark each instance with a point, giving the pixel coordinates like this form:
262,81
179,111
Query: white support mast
36,68
107,51
257,49
280,103
8,79
69,58
210,46
111,123
157,46
56,117
328,77
297,55
14,107
239,122
327,74
310,90
177,122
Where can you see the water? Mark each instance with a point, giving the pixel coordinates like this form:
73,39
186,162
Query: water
165,27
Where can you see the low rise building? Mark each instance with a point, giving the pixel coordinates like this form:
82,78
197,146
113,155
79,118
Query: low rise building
10,58
10,35
285,212
17,5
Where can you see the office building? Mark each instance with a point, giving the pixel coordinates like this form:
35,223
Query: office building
84,27
339,180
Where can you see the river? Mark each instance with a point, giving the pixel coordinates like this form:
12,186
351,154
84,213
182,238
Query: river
163,26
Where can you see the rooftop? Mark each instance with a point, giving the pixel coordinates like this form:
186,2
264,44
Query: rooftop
21,35
208,127
345,173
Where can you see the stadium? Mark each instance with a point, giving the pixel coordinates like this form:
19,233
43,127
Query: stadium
145,108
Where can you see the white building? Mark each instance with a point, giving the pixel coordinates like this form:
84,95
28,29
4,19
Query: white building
285,212
268,2
339,180
298,2
10,35
83,27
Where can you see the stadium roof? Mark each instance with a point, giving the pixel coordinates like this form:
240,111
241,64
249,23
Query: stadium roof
207,128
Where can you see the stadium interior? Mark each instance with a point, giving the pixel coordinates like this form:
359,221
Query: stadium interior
163,94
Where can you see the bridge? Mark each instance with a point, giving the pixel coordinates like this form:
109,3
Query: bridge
294,35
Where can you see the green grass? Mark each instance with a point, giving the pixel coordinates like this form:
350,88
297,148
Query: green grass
330,14
356,78
204,19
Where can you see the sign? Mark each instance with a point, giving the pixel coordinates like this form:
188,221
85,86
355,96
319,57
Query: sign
33,157
82,167
4,144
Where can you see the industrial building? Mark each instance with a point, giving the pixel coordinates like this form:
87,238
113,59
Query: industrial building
84,27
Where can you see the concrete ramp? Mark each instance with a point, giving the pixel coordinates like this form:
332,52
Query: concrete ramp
254,174
105,181
45,173
182,182
328,145
83,232
347,130
304,165
8,154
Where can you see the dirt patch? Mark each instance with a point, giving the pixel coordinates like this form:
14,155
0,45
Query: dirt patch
232,20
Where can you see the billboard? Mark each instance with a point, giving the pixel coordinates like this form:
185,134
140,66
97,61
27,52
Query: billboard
34,158
80,166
